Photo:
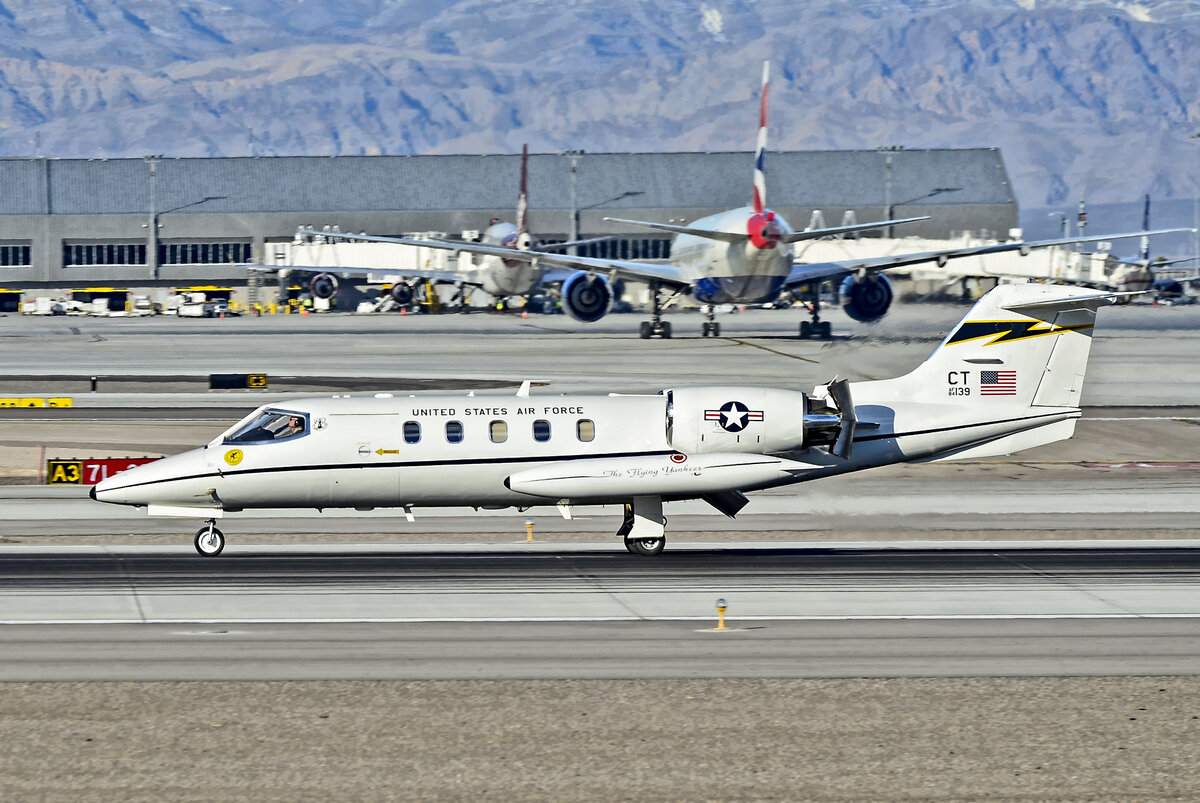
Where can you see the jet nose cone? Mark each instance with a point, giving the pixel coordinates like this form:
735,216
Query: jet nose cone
92,492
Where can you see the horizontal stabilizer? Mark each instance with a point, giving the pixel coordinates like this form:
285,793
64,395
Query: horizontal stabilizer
1090,301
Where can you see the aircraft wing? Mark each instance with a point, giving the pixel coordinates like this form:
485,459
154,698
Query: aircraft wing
808,273
793,237
665,275
450,276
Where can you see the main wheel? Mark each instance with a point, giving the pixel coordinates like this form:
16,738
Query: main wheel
716,329
644,330
704,329
666,330
806,330
645,546
209,542
824,330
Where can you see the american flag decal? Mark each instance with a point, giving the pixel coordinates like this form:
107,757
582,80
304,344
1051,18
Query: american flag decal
997,383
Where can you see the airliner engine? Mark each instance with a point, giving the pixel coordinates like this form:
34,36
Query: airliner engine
401,293
760,420
323,285
587,297
866,300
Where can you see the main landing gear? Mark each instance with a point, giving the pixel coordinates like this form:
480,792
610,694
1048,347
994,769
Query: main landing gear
817,328
656,326
644,526
209,540
710,325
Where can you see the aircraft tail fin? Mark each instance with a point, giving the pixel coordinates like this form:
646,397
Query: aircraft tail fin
1021,345
760,172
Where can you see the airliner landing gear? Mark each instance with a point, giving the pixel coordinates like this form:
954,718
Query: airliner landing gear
710,325
818,328
644,526
209,540
656,326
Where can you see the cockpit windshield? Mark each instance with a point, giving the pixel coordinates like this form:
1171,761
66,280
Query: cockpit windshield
270,425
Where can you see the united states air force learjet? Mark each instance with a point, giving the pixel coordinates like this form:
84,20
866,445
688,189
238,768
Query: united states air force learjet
1007,377
740,256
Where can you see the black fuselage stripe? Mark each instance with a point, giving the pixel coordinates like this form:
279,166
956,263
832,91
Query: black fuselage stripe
558,458
401,464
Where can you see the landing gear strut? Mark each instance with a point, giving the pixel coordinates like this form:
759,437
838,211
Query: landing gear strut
644,526
817,328
710,325
656,326
209,540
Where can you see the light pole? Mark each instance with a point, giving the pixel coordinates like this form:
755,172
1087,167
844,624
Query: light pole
575,210
891,212
153,225
573,235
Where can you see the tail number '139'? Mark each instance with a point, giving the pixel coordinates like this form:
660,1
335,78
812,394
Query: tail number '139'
957,381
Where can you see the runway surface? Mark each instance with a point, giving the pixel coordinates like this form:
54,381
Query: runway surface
137,614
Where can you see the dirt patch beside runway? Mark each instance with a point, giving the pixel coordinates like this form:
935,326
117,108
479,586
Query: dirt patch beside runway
633,740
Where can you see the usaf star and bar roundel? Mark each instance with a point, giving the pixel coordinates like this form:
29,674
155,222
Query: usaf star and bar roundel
733,416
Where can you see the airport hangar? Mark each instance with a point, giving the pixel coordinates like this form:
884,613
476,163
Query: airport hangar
70,223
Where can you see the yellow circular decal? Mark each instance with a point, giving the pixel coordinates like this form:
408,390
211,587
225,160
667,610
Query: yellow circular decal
233,457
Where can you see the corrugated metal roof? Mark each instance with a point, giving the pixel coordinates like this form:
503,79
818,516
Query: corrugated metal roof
383,183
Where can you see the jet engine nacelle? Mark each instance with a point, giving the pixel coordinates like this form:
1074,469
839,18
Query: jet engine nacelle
742,419
866,300
401,293
587,297
323,285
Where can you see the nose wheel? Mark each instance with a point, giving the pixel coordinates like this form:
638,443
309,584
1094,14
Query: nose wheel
209,540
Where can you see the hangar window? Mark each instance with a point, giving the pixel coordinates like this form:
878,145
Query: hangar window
13,255
77,254
412,432
270,425
203,253
498,430
541,430
454,431
585,429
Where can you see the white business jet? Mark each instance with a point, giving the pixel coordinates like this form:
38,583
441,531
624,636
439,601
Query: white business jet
740,256
1007,377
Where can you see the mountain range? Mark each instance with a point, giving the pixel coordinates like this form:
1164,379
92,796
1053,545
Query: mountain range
1094,97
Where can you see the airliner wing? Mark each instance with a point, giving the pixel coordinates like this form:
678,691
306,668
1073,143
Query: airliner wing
807,273
665,275
453,277
793,237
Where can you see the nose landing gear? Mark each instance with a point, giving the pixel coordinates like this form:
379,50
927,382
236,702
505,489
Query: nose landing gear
209,540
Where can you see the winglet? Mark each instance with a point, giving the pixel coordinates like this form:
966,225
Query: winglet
760,175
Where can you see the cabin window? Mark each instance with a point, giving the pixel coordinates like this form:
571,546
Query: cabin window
498,431
454,431
412,432
585,428
541,430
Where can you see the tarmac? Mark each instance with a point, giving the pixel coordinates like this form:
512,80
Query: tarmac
1130,473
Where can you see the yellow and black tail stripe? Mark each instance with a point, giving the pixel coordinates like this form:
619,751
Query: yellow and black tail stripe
1009,331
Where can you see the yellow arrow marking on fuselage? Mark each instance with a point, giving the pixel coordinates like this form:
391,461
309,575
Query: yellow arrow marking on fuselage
387,451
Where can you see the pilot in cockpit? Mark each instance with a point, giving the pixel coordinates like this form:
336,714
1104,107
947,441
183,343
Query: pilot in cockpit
294,426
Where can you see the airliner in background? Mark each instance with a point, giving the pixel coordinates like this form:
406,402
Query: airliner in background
498,275
740,256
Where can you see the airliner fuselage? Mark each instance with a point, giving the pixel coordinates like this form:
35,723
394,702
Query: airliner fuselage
746,271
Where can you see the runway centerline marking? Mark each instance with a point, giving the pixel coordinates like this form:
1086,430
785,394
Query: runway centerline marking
586,619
